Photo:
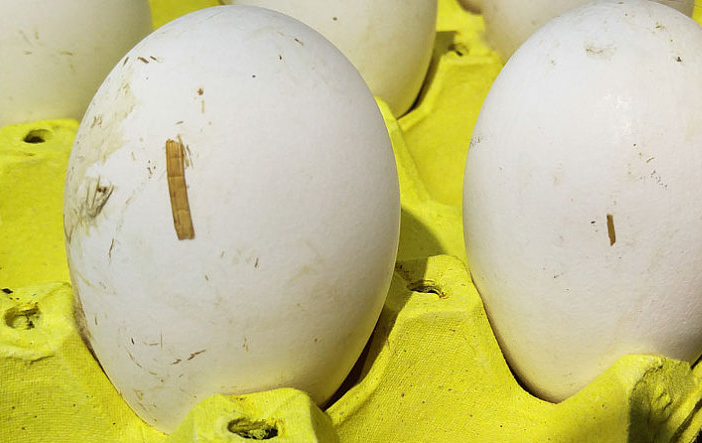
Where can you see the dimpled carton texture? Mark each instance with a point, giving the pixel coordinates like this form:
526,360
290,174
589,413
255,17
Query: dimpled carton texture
432,371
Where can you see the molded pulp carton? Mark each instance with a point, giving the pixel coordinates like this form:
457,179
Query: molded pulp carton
432,371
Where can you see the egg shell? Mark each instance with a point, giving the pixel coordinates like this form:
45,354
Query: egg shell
292,195
583,195
55,54
390,42
510,22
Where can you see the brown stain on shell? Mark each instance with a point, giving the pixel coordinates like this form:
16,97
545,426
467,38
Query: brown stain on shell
180,206
610,230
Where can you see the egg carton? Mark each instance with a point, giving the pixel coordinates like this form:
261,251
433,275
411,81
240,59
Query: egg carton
432,370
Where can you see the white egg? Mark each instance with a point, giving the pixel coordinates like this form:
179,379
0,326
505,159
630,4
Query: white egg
390,41
231,213
55,54
583,195
510,22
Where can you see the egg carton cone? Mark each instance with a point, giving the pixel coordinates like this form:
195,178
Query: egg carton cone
432,370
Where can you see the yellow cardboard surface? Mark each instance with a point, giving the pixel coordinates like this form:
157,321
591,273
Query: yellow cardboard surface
31,192
282,415
432,371
436,372
163,11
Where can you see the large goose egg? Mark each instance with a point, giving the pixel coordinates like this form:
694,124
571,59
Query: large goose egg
583,194
55,54
389,41
231,213
510,22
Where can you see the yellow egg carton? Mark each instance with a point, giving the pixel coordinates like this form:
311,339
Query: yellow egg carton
432,371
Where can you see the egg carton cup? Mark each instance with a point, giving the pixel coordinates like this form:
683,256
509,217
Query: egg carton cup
432,370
